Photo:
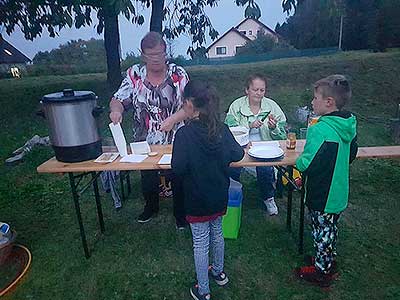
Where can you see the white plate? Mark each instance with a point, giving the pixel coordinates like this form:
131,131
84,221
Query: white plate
265,152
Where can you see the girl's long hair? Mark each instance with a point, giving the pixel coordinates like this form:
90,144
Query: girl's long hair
206,102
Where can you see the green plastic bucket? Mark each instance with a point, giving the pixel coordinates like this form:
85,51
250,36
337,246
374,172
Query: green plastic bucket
231,222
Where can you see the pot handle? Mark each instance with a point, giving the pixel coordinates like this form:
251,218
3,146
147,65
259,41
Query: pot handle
97,111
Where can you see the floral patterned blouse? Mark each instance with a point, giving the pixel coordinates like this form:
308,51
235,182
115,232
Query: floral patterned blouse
152,104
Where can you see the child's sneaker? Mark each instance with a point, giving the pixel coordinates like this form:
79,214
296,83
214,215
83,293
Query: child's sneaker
271,206
221,279
194,292
312,275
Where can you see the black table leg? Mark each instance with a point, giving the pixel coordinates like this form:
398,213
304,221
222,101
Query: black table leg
301,225
75,196
128,181
121,181
290,200
98,202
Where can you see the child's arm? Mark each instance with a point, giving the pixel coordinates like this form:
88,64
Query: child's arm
311,148
236,151
179,159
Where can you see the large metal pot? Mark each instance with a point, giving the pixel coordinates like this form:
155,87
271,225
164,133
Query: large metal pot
71,116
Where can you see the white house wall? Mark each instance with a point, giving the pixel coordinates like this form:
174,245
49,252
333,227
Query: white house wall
253,26
230,41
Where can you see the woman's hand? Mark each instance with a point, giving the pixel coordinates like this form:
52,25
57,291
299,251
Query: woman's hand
272,122
256,124
116,117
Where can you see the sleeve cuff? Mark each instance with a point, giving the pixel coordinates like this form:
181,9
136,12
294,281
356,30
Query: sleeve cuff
274,131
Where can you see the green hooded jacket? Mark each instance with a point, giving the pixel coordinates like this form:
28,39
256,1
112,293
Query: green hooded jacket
240,114
330,147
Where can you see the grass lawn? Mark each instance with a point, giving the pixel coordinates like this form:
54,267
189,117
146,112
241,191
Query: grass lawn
154,261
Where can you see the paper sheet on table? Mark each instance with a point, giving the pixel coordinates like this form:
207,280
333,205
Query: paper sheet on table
165,159
119,138
266,143
133,158
140,147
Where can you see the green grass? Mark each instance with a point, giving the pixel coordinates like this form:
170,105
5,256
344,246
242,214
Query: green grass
153,261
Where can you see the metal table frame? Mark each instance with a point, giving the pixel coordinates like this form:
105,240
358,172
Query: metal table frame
78,188
52,166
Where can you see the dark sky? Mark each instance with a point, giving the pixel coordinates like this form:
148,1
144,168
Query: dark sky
223,17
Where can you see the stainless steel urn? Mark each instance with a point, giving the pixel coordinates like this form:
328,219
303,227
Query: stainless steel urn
71,117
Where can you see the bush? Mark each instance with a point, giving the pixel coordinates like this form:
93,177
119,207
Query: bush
264,43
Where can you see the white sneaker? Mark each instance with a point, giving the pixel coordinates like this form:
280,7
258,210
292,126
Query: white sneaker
271,206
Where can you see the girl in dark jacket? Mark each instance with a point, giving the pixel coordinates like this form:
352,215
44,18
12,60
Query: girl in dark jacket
202,152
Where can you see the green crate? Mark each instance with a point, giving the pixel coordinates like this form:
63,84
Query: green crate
231,222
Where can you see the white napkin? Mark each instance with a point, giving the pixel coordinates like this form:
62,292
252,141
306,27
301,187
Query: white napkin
165,159
133,158
140,147
119,138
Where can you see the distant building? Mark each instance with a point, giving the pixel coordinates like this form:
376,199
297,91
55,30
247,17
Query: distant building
12,61
236,37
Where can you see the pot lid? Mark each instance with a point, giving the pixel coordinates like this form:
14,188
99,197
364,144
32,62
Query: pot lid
69,95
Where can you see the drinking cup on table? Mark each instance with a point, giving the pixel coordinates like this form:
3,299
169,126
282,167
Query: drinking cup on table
291,141
303,133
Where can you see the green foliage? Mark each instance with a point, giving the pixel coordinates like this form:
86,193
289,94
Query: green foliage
190,17
130,59
74,57
370,24
312,26
252,10
264,43
73,52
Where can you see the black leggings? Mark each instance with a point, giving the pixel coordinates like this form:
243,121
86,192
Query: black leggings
150,189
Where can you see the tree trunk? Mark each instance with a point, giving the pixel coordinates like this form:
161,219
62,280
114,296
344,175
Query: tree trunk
112,46
157,15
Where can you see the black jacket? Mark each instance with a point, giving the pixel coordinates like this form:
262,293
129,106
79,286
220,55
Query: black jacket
202,165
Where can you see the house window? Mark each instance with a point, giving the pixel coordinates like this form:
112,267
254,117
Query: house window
15,72
250,32
237,48
243,32
221,50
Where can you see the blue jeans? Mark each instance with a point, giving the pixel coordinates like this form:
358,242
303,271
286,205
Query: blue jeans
265,180
203,234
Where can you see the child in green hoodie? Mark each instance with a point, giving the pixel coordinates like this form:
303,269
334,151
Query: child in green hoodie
330,147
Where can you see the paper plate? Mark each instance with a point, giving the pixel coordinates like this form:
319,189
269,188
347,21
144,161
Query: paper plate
266,152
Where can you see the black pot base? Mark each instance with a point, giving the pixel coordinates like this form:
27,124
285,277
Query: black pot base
78,153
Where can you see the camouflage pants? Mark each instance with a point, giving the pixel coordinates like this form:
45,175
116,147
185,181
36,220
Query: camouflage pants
324,234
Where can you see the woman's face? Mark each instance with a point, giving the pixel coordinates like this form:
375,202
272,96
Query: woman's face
256,90
154,58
